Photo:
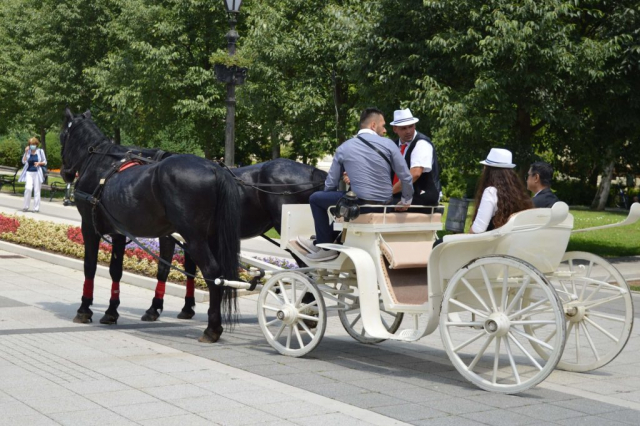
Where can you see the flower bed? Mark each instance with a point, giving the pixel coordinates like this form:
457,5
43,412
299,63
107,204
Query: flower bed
67,240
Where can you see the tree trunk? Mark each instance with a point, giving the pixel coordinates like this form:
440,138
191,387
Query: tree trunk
43,142
275,144
602,195
116,136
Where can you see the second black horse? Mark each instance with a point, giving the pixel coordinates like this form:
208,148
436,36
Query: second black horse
263,189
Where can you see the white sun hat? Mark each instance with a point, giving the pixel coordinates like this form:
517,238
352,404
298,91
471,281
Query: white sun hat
499,157
403,117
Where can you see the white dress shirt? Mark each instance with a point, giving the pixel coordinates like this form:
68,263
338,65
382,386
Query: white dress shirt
486,211
422,155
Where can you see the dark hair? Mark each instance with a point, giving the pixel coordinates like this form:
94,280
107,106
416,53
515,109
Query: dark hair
512,195
367,115
544,170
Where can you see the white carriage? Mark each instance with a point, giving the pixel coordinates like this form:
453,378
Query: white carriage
510,303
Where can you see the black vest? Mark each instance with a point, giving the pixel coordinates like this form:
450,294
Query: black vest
426,189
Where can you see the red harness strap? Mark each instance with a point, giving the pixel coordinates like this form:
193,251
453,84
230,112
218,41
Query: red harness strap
129,164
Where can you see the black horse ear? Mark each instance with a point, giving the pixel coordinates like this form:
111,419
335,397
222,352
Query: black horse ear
68,114
87,114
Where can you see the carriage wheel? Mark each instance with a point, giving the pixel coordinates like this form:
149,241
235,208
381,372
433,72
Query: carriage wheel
598,309
351,318
484,339
291,326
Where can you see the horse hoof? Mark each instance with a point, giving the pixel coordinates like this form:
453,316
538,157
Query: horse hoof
186,315
109,319
150,316
210,336
83,319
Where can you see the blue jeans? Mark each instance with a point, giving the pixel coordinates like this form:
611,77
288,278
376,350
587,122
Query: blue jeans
320,201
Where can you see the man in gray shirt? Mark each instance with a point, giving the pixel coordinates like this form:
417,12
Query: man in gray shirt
369,173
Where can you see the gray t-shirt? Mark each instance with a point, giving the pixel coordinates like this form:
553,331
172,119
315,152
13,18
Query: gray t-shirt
369,173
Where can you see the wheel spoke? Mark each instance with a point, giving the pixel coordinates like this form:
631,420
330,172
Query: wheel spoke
289,332
469,308
275,296
602,330
306,329
270,308
603,301
496,361
272,322
518,296
464,323
293,292
527,309
308,317
468,342
578,342
480,353
512,361
524,351
533,339
475,293
280,330
355,321
505,287
608,317
308,305
283,292
298,336
588,336
302,294
533,322
487,283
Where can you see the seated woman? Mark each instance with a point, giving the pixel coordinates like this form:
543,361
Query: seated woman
500,192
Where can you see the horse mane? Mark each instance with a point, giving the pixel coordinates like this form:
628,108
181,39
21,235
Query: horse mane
87,130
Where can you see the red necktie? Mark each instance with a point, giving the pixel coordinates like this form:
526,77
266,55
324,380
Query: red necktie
403,147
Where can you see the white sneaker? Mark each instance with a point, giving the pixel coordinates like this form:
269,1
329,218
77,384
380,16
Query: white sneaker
323,255
307,244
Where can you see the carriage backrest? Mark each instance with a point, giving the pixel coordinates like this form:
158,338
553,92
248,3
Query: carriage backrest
537,236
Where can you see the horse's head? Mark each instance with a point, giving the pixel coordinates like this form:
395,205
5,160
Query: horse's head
74,142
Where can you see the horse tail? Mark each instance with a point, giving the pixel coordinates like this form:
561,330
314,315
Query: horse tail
226,244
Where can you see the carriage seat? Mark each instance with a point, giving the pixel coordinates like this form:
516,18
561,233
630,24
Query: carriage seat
395,218
406,254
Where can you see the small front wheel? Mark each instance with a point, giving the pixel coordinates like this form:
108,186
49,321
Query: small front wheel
292,323
485,308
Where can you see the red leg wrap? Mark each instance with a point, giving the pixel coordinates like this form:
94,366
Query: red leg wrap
191,286
115,291
160,289
87,290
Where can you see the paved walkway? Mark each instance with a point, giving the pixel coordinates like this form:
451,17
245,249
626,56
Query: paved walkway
56,372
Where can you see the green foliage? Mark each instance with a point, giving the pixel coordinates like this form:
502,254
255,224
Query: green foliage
454,184
223,58
10,152
54,158
574,192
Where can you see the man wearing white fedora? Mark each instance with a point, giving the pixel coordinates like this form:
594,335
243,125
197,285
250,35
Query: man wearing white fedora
420,156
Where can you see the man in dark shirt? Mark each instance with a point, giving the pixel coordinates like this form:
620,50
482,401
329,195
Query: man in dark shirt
539,183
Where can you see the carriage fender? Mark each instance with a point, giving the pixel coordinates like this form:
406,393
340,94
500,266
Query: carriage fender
368,288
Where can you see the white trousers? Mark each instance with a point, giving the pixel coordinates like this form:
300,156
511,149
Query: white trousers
32,184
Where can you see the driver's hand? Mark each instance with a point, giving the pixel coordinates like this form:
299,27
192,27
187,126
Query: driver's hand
346,179
402,207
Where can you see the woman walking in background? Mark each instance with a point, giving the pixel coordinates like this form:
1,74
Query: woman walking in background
33,160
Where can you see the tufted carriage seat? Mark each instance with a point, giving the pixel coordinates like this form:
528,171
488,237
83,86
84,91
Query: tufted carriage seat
395,218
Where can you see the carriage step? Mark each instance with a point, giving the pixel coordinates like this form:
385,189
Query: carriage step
410,334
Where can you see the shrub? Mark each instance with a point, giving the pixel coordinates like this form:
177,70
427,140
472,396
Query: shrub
574,192
54,158
10,153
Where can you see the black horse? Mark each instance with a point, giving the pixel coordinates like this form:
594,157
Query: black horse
263,188
183,193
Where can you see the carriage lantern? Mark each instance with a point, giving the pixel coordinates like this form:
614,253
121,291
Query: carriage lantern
232,76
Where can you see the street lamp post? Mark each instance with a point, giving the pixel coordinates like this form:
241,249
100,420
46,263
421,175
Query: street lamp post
233,7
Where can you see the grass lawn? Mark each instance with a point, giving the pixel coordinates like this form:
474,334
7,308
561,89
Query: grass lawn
616,242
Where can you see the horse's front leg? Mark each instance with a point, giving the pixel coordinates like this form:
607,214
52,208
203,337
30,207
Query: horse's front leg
115,270
189,300
167,246
91,246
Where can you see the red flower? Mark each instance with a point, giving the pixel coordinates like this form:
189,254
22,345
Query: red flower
8,224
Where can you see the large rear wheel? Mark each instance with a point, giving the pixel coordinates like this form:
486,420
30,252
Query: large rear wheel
598,310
